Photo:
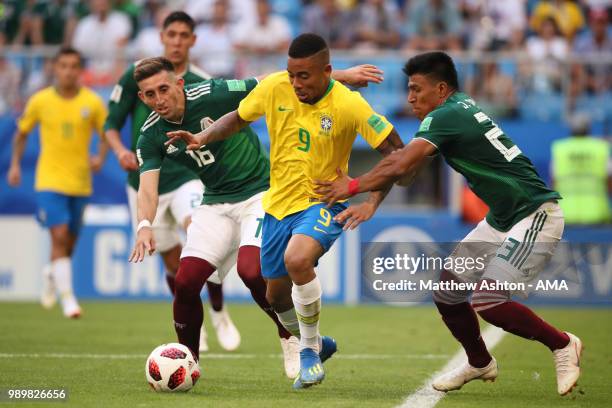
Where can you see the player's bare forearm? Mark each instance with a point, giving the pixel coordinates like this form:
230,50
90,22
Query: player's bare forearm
103,147
14,171
19,142
126,157
392,143
395,166
359,75
223,128
147,195
113,139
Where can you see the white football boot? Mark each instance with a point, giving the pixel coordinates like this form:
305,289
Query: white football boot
227,334
567,364
48,295
454,379
291,355
71,307
203,339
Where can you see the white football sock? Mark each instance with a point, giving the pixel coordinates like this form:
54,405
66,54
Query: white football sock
62,274
307,302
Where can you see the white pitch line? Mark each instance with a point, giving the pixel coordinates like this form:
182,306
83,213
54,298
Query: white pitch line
426,396
213,356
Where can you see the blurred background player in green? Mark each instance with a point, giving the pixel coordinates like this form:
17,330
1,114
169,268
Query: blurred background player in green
68,114
581,174
180,190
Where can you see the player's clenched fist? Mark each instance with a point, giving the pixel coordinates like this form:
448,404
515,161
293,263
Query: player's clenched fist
14,176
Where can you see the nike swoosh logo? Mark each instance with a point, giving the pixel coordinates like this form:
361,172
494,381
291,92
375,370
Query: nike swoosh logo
283,109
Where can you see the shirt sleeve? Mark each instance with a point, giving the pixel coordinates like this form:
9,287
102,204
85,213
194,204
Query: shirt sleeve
148,153
236,90
374,128
438,128
122,101
253,106
30,116
99,117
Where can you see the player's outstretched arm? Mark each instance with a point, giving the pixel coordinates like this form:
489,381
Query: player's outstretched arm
126,157
97,161
359,75
221,129
356,214
14,172
147,207
387,171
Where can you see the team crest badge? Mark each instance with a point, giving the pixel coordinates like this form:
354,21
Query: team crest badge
326,123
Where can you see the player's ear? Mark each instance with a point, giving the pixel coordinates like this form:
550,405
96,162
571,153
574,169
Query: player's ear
141,95
180,82
328,70
442,89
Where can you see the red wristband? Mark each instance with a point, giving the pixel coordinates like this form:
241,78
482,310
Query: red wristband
353,186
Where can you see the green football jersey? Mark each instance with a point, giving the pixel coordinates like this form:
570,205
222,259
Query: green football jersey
495,168
124,101
232,170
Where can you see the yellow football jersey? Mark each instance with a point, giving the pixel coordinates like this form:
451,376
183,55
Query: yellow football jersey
308,142
66,127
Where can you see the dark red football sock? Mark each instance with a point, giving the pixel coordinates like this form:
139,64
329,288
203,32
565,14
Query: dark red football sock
170,282
215,296
462,322
188,312
249,270
518,319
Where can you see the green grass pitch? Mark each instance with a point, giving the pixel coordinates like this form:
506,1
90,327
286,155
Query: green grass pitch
385,354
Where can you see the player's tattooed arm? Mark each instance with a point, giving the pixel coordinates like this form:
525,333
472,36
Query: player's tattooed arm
392,143
147,207
221,129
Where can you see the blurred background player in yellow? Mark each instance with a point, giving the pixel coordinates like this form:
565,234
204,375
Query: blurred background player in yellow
68,115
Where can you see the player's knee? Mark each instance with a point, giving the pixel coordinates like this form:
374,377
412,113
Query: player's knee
61,240
449,296
190,278
298,263
248,266
484,300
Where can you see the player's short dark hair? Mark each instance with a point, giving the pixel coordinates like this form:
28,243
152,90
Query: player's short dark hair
437,65
151,66
179,16
306,45
68,51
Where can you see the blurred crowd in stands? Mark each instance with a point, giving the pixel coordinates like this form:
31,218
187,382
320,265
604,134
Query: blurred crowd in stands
555,53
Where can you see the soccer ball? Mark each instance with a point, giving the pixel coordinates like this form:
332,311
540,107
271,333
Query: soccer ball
172,367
